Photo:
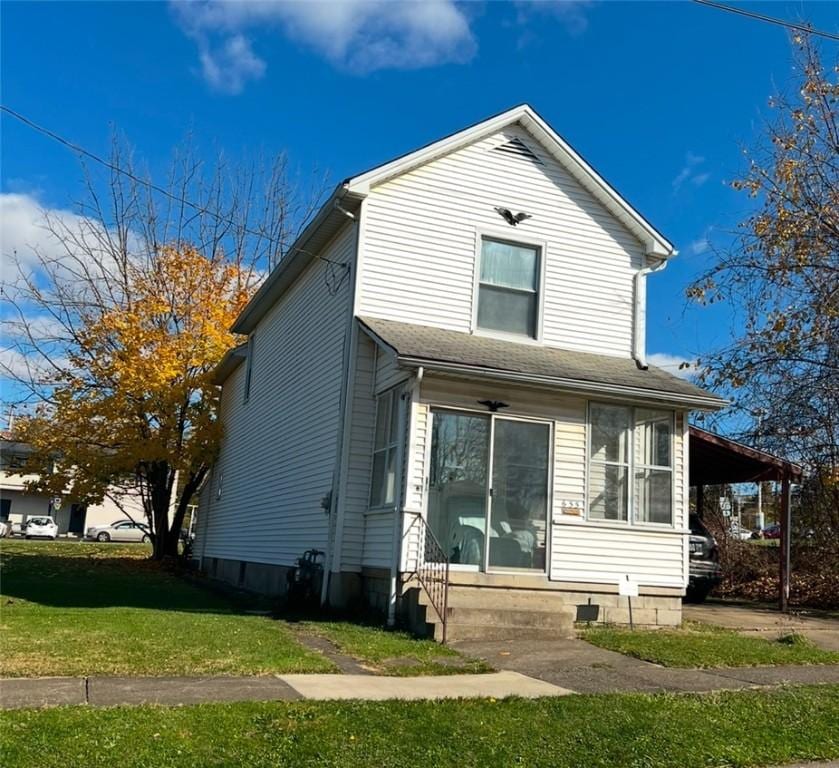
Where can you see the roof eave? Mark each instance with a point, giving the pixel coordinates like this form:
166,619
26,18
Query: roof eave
273,286
691,402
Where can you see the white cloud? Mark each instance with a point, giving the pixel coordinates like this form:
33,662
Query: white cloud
24,232
678,366
699,246
691,172
228,67
358,35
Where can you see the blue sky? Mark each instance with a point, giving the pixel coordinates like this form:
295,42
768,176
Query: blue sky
660,98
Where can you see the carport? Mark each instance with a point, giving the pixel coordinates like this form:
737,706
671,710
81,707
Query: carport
718,460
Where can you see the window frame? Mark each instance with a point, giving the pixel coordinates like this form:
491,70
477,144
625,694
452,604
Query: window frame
503,236
632,519
392,428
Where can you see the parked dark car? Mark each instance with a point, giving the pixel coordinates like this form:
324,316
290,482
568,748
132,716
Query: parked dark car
705,572
772,531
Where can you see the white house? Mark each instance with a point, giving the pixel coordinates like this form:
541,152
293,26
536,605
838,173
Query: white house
71,516
445,388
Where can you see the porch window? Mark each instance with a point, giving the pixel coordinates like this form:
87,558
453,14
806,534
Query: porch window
653,501
383,484
608,474
508,288
630,473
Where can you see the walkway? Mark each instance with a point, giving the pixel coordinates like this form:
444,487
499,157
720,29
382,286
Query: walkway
584,668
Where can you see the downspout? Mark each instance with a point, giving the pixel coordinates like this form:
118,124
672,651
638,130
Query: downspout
398,511
639,340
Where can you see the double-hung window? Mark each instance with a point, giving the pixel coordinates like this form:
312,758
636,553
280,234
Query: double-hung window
383,484
653,500
630,470
508,288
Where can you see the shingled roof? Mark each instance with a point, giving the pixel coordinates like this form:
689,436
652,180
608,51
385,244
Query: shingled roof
455,352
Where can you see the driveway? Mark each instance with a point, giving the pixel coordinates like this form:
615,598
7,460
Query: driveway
585,668
819,626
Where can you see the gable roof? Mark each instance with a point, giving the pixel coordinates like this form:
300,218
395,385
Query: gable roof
346,198
458,353
656,244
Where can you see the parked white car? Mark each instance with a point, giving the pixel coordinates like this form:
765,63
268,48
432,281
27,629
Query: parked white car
40,527
121,530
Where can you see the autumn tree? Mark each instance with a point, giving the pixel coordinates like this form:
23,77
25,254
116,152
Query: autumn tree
118,331
782,278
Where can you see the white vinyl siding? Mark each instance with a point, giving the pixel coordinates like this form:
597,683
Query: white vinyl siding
278,451
420,245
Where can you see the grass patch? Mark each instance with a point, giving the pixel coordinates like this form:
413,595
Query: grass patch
71,608
393,652
743,728
698,645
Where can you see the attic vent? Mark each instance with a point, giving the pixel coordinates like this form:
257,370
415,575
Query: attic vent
517,148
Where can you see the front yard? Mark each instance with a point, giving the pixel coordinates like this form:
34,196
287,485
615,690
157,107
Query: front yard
697,645
73,609
747,728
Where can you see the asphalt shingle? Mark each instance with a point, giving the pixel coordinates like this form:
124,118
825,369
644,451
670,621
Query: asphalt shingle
437,345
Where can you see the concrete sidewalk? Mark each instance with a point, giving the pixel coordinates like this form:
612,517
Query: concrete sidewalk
110,691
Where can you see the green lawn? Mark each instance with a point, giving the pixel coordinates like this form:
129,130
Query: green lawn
71,608
394,653
744,728
702,646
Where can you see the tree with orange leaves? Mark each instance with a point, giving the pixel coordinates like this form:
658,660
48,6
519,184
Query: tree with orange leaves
119,329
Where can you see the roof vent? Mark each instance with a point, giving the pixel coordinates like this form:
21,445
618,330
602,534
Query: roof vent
517,148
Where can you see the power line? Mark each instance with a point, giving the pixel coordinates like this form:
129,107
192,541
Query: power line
146,182
769,19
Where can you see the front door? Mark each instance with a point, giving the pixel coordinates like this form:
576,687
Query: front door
488,490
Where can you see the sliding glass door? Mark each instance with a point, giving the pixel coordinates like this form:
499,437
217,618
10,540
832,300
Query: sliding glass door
457,490
488,490
519,508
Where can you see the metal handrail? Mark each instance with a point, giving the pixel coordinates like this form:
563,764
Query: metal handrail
432,570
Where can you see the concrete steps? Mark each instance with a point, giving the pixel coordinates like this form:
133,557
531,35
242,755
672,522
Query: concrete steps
478,613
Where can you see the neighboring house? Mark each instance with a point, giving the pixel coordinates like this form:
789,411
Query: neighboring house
424,361
72,517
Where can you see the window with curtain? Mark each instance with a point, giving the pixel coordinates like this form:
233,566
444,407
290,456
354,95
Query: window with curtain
508,288
630,473
383,483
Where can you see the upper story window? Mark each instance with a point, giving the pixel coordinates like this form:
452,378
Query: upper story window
630,472
508,288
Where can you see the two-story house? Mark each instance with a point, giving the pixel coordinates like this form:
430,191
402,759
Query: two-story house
445,381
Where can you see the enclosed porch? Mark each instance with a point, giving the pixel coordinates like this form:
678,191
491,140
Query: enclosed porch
537,495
